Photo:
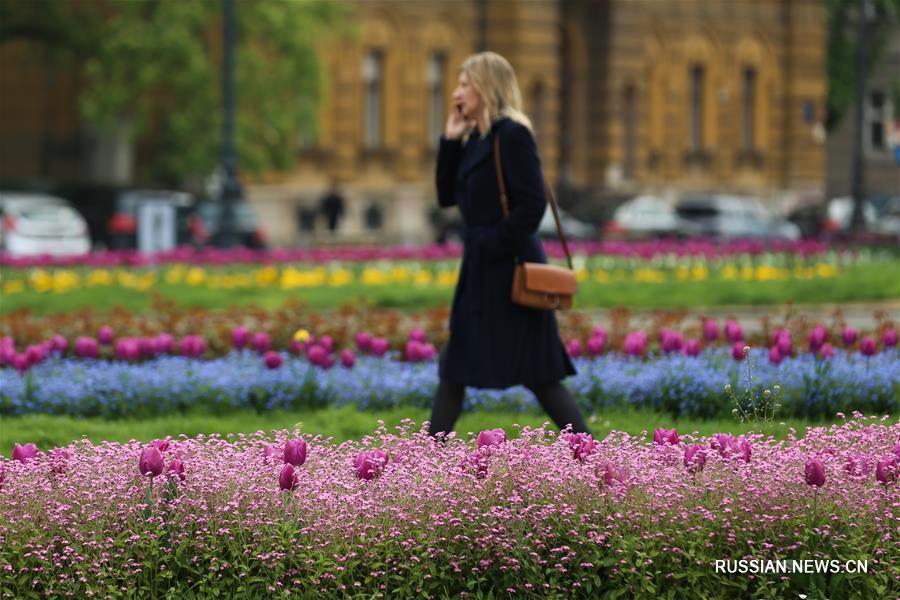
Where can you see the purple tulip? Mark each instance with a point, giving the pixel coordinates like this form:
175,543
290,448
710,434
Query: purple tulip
867,346
2,472
288,479
348,359
363,341
240,337
326,342
595,345
722,442
7,354
477,461
161,445
581,444
491,437
817,337
775,355
826,351
378,346
849,336
858,465
784,344
261,342
737,351
21,363
733,331
710,330
192,346
34,354
272,359
670,341
886,470
317,355
176,469
574,348
369,465
600,333
24,453
105,335
611,474
413,351
87,347
418,334
59,343
295,452
151,463
694,458
428,351
665,436
889,338
692,347
815,472
165,343
741,448
635,343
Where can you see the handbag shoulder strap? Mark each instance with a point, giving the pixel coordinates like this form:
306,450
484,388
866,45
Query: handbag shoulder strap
504,200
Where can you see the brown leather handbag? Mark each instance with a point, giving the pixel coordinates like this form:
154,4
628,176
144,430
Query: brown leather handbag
537,285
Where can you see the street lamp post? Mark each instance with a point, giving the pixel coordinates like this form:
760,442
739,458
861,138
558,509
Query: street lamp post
230,191
857,221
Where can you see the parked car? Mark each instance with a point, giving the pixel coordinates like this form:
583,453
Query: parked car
35,224
888,221
249,232
112,212
839,214
726,216
575,229
644,216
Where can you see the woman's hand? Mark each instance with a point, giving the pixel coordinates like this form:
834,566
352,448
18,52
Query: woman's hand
457,124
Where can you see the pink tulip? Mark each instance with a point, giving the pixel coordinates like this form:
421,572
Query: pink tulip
733,331
574,348
176,469
295,452
87,347
670,341
369,465
288,479
161,445
491,437
665,436
7,354
34,354
316,355
849,336
595,345
737,350
21,363
815,472
378,346
2,472
165,343
478,462
826,351
710,330
272,359
775,355
886,470
636,343
59,343
105,335
694,458
24,453
428,351
240,337
348,359
889,338
867,346
326,342
261,342
896,451
784,344
581,444
858,465
413,351
363,341
692,347
611,474
817,337
741,448
418,335
599,332
151,463
722,442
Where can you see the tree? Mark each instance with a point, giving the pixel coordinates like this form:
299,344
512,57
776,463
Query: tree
155,67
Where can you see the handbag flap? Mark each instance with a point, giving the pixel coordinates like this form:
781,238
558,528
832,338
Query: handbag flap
549,279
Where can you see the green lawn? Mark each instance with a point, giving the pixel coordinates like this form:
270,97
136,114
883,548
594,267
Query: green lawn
871,281
342,424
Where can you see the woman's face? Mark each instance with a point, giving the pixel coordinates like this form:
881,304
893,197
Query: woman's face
466,99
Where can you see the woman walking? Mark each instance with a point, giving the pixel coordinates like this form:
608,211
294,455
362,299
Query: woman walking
493,342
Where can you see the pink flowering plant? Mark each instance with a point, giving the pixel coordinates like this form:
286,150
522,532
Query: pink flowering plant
397,514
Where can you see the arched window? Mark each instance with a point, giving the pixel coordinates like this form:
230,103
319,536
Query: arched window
696,86
538,118
437,82
748,109
373,78
629,133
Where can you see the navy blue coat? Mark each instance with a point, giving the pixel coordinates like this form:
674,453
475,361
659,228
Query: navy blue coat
493,342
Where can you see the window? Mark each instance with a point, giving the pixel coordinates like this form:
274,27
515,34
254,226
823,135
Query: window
629,102
436,96
373,75
538,120
748,100
696,123
878,114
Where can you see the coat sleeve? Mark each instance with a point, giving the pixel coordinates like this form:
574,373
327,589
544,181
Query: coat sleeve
525,191
449,155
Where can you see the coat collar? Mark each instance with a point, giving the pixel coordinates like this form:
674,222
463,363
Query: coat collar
483,148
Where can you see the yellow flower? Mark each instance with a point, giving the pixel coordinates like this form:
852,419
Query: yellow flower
301,336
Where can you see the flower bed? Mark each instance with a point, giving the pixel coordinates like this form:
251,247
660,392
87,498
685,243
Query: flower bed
400,515
675,383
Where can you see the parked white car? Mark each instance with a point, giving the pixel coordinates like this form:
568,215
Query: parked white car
840,214
644,216
733,217
35,224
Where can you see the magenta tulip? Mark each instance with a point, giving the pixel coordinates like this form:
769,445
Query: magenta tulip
775,355
858,465
105,335
826,351
595,345
316,355
694,458
59,343
378,346
363,341
413,351
896,451
733,331
240,337
326,342
261,342
817,337
738,351
710,330
295,452
599,332
87,347
741,448
477,461
176,469
815,472
288,479
636,343
418,334
581,444
151,463
886,470
722,442
24,453
21,363
165,343
491,437
889,338
784,344
272,359
161,445
574,348
692,347
2,472
665,436
849,336
867,346
348,359
369,465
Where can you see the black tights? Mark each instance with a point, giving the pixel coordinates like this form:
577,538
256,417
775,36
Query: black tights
553,397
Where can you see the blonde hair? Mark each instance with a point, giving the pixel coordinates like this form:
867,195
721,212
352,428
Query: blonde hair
495,81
